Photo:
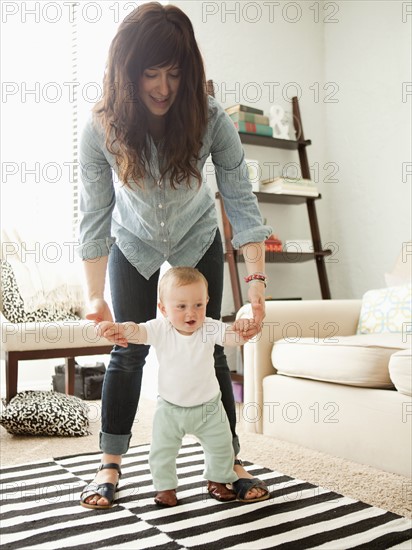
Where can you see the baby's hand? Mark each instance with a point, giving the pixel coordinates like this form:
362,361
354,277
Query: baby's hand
246,328
115,332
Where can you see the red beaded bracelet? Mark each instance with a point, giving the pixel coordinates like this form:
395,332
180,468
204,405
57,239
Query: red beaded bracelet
256,277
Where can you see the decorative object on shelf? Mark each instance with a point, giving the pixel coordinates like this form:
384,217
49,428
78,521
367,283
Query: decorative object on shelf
289,186
299,245
253,173
279,122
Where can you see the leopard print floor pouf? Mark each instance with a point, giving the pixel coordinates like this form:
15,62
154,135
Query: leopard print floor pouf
45,413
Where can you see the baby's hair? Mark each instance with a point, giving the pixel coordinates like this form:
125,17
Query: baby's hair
180,276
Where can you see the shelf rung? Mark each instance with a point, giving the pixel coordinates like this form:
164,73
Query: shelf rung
266,141
289,257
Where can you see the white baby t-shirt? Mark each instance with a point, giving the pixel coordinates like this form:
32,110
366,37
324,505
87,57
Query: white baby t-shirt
186,364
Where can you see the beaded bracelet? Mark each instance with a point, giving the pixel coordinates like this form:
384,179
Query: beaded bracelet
258,276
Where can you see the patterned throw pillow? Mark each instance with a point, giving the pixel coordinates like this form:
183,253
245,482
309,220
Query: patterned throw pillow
45,413
13,304
386,310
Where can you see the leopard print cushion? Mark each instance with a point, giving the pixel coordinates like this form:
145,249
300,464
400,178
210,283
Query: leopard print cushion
13,304
45,413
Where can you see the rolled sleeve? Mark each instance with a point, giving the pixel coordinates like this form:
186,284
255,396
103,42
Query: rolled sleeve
97,197
95,249
240,203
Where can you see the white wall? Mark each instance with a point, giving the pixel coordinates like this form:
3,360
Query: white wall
244,51
368,55
349,60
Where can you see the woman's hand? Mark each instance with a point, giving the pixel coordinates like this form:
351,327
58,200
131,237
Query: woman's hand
254,256
99,311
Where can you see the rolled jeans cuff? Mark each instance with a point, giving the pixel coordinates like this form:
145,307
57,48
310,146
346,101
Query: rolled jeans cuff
114,444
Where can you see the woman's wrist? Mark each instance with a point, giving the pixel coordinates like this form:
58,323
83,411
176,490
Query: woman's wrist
257,283
257,276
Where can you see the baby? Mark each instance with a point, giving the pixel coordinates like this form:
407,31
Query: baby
189,399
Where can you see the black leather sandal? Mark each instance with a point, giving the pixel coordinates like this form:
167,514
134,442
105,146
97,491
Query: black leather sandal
104,490
243,485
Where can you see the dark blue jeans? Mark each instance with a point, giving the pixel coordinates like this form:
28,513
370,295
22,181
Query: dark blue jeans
134,298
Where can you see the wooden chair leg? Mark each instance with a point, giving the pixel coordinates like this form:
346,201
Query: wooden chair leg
12,364
69,375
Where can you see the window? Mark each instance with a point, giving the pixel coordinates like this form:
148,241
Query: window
53,59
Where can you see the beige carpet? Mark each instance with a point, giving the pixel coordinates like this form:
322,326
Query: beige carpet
388,491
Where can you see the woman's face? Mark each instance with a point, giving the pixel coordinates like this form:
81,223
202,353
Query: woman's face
158,88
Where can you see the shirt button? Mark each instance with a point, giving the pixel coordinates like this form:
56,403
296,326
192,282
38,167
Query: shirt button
162,223
165,240
165,255
160,205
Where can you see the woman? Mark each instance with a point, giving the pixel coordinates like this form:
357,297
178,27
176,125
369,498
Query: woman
154,129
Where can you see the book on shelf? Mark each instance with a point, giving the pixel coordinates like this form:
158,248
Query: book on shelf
239,116
244,108
289,186
273,244
252,128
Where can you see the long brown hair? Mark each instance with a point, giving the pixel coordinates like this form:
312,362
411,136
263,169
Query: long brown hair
153,35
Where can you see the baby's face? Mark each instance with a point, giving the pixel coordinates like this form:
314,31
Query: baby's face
185,307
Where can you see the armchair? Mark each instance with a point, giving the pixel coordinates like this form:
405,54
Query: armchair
48,340
53,326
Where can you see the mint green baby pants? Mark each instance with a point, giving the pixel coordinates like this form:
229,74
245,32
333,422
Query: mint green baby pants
209,423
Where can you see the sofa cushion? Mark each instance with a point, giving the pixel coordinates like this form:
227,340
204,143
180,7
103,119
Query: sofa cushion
53,335
400,371
359,360
386,310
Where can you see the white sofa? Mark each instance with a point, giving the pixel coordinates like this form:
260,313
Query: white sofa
319,394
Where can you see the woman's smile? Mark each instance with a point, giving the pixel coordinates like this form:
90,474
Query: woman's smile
158,88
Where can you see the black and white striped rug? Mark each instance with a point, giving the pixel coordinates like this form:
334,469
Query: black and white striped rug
40,510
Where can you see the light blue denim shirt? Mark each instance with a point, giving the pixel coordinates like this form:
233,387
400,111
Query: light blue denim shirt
156,223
